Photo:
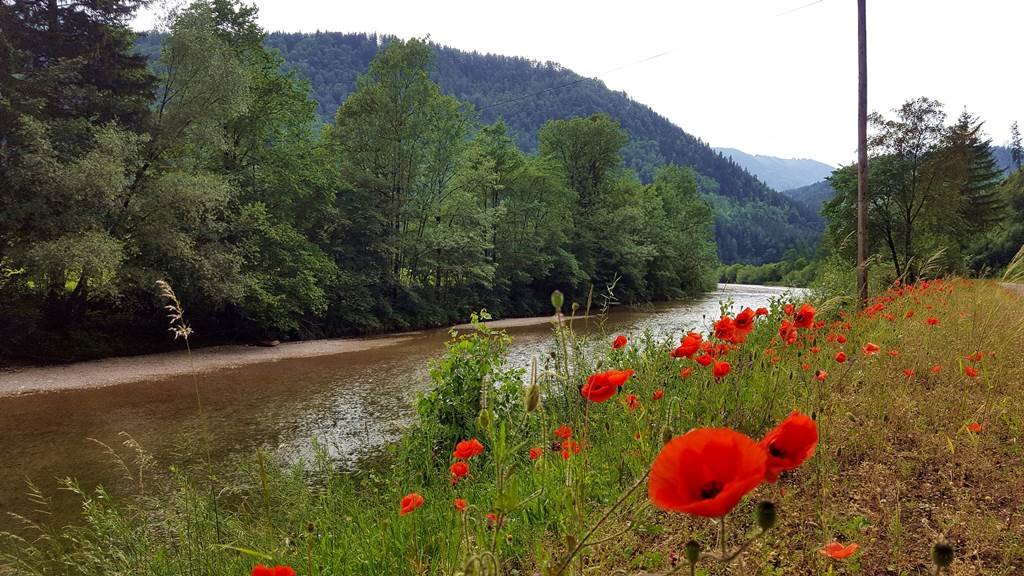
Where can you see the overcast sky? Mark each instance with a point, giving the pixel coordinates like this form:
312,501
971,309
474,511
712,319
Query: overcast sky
776,77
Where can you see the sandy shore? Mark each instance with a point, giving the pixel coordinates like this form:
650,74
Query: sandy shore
127,369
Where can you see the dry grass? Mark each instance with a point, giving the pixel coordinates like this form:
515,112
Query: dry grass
897,468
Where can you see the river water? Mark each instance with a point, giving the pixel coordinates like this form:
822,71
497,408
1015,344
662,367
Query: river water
352,403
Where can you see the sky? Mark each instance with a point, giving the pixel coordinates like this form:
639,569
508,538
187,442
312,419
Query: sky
774,77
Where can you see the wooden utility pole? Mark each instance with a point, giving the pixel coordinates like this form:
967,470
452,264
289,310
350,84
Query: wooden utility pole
862,156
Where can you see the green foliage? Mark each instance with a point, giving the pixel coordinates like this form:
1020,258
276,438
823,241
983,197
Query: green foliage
992,250
496,85
470,377
405,213
931,190
797,269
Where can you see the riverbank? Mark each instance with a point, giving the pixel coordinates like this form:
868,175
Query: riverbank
128,369
918,418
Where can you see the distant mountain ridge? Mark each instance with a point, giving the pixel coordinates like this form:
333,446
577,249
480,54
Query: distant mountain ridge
814,195
754,223
779,173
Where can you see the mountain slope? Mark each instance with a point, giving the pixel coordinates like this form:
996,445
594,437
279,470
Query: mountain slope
526,94
814,195
779,173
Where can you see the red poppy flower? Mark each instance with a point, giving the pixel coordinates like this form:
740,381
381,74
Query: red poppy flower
725,329
805,367
261,570
468,449
840,356
632,402
805,316
841,338
410,502
619,342
690,345
762,311
909,314
603,385
787,331
870,349
976,357
971,371
706,472
745,321
789,444
909,372
975,427
458,470
685,372
936,369
815,349
658,395
570,447
720,370
461,504
820,375
838,551
894,353
932,321
789,309
705,360
536,453
563,432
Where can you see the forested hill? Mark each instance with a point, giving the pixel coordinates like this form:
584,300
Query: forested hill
753,222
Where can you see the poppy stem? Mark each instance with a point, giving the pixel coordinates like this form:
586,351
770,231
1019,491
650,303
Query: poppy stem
583,541
746,544
721,536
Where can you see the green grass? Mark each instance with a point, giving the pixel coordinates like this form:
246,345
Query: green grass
896,468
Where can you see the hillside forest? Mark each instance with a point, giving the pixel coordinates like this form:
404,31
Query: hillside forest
209,169
310,185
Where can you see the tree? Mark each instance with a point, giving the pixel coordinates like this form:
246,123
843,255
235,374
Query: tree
76,64
910,141
971,169
398,139
587,152
931,187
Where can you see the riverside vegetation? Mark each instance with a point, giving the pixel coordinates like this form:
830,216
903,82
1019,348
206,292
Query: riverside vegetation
209,168
912,453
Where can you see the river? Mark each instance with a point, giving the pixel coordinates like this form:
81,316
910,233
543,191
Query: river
353,403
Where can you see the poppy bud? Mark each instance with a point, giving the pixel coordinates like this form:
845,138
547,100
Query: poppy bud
692,551
575,307
484,419
557,299
942,554
532,397
766,514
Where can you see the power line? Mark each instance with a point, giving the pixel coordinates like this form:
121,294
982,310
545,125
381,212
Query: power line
616,69
574,82
798,8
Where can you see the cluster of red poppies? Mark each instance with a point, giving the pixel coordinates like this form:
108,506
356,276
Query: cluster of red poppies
706,471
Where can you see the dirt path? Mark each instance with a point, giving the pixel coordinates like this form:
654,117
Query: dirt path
123,370
1018,288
